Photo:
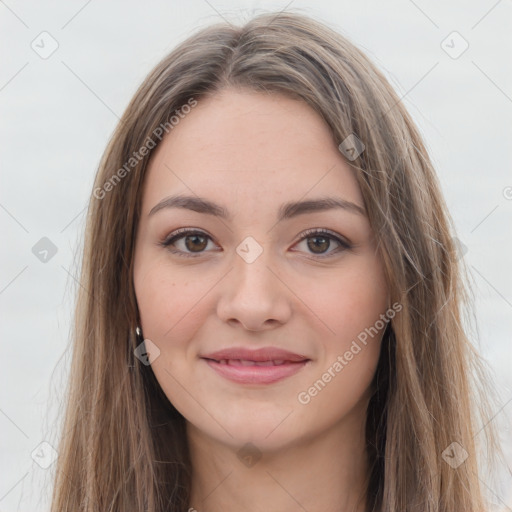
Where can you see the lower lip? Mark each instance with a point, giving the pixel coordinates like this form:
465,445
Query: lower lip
256,374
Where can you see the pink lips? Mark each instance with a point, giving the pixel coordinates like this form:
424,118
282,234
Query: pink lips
262,366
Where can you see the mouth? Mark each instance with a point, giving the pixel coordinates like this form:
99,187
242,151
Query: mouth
247,362
257,368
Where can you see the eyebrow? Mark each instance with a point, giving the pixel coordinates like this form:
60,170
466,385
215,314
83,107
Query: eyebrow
286,211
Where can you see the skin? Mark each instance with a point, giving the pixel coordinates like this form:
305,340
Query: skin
251,152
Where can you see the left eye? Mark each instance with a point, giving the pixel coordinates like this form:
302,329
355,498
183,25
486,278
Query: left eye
321,240
318,241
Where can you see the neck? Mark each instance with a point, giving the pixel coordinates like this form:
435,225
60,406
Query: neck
326,473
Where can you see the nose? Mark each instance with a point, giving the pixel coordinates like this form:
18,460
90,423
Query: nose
253,295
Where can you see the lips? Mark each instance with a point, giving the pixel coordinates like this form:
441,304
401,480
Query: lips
248,362
262,366
265,354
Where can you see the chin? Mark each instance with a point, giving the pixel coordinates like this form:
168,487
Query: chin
267,430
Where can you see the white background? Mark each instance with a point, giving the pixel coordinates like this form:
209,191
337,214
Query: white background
58,113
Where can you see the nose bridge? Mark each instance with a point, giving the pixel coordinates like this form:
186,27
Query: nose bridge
251,263
253,294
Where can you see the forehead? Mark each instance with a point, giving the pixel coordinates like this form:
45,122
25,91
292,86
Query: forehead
256,145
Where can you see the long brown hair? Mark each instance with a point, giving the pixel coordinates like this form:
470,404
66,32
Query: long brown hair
123,445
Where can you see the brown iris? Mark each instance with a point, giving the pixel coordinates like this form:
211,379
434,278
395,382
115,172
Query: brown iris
324,244
199,242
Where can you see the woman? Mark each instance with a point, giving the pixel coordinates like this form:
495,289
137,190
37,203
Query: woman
271,310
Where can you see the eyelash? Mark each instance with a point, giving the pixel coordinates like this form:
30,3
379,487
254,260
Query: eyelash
310,233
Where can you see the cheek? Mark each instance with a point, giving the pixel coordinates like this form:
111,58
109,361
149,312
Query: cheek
352,307
169,300
350,301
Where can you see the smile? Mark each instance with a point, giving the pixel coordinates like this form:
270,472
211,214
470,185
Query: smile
246,362
245,371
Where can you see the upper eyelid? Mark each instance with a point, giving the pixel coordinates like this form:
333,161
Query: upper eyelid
305,233
313,231
183,232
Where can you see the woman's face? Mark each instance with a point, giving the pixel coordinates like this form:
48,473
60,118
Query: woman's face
253,273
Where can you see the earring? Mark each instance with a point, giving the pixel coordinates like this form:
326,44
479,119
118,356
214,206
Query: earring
138,334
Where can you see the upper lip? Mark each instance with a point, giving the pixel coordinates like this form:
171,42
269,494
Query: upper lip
261,354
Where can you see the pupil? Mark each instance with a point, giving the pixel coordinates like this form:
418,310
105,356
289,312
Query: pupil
195,238
323,245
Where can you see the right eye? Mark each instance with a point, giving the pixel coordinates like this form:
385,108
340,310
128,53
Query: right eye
191,241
